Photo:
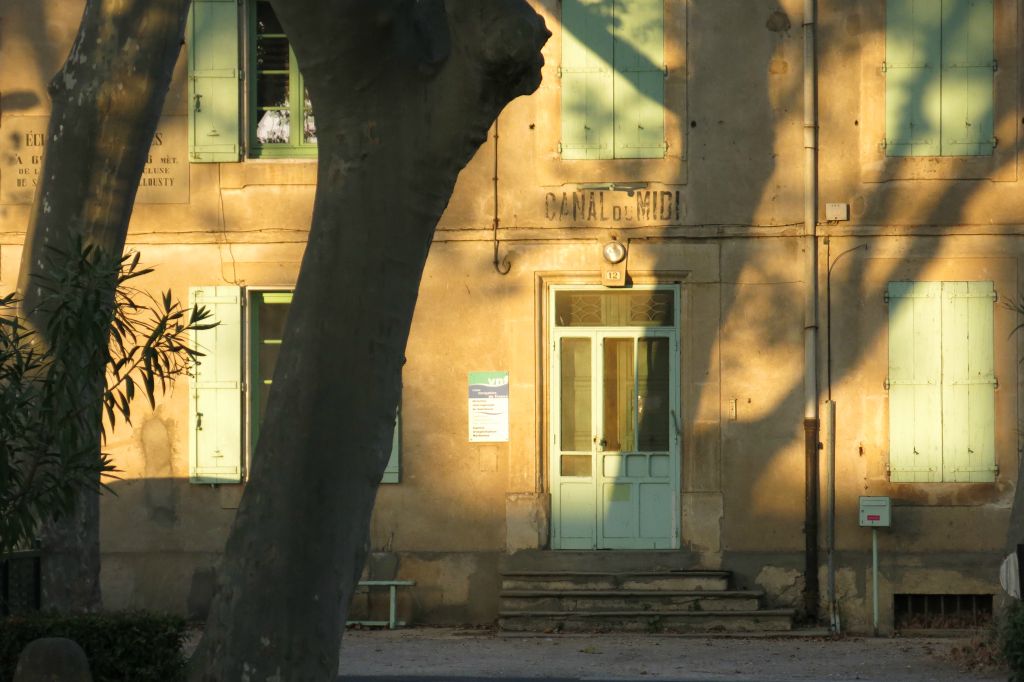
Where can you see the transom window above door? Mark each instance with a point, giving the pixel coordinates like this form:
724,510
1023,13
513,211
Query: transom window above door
639,308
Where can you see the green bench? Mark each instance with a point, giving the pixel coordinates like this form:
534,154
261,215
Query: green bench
392,585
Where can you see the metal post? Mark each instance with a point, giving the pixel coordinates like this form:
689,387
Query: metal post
392,597
874,577
830,422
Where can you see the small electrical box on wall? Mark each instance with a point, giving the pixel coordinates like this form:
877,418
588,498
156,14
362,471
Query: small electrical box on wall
836,212
876,512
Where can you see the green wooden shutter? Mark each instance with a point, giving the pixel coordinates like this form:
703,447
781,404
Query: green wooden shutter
392,471
587,84
214,82
639,79
215,415
915,377
913,52
968,382
967,78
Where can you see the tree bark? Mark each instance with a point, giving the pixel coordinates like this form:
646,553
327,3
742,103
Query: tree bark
404,93
106,101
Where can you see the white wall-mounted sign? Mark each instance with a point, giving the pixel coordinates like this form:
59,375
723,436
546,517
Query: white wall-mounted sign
488,407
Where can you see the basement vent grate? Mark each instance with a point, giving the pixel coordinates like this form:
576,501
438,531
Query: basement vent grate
942,611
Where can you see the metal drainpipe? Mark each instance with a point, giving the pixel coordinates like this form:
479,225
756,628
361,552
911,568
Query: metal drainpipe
811,421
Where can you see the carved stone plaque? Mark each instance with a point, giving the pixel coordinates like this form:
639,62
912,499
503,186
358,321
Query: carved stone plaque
164,179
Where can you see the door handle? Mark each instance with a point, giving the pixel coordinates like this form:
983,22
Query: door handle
601,443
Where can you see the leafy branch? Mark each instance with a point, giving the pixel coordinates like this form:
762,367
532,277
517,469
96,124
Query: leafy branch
64,385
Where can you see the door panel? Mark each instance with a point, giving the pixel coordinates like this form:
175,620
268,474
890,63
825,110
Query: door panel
636,509
654,393
619,518
655,498
575,384
574,504
615,460
576,515
617,393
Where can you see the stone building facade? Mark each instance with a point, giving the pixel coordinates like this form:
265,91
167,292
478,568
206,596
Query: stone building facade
665,415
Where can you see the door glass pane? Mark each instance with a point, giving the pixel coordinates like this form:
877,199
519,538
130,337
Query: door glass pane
576,465
271,310
653,389
308,121
652,308
266,21
618,395
576,403
273,74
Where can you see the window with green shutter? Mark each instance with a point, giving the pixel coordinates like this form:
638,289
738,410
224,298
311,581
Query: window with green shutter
267,324
279,117
941,382
939,66
216,406
613,79
214,81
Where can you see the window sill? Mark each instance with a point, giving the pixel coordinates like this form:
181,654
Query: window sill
998,166
942,494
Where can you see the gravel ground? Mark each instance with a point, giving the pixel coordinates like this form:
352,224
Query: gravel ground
444,654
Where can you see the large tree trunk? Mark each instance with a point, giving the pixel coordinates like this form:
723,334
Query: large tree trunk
107,99
404,93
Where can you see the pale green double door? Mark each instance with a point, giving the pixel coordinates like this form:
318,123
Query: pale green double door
615,420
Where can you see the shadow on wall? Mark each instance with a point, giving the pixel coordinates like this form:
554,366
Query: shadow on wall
18,100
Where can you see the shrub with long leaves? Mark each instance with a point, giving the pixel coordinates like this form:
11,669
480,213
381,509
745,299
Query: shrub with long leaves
51,429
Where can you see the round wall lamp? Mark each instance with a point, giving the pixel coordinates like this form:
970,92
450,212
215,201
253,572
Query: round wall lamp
613,252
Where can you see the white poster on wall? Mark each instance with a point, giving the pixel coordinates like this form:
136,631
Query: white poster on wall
488,407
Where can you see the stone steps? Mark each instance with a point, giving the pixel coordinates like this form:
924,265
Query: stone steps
634,592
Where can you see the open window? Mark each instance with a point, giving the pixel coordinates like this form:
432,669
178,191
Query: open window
262,94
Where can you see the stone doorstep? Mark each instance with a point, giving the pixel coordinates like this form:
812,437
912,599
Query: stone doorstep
589,585
568,580
701,573
798,632
605,600
612,561
703,622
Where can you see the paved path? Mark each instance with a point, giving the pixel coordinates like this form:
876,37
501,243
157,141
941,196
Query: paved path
446,655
